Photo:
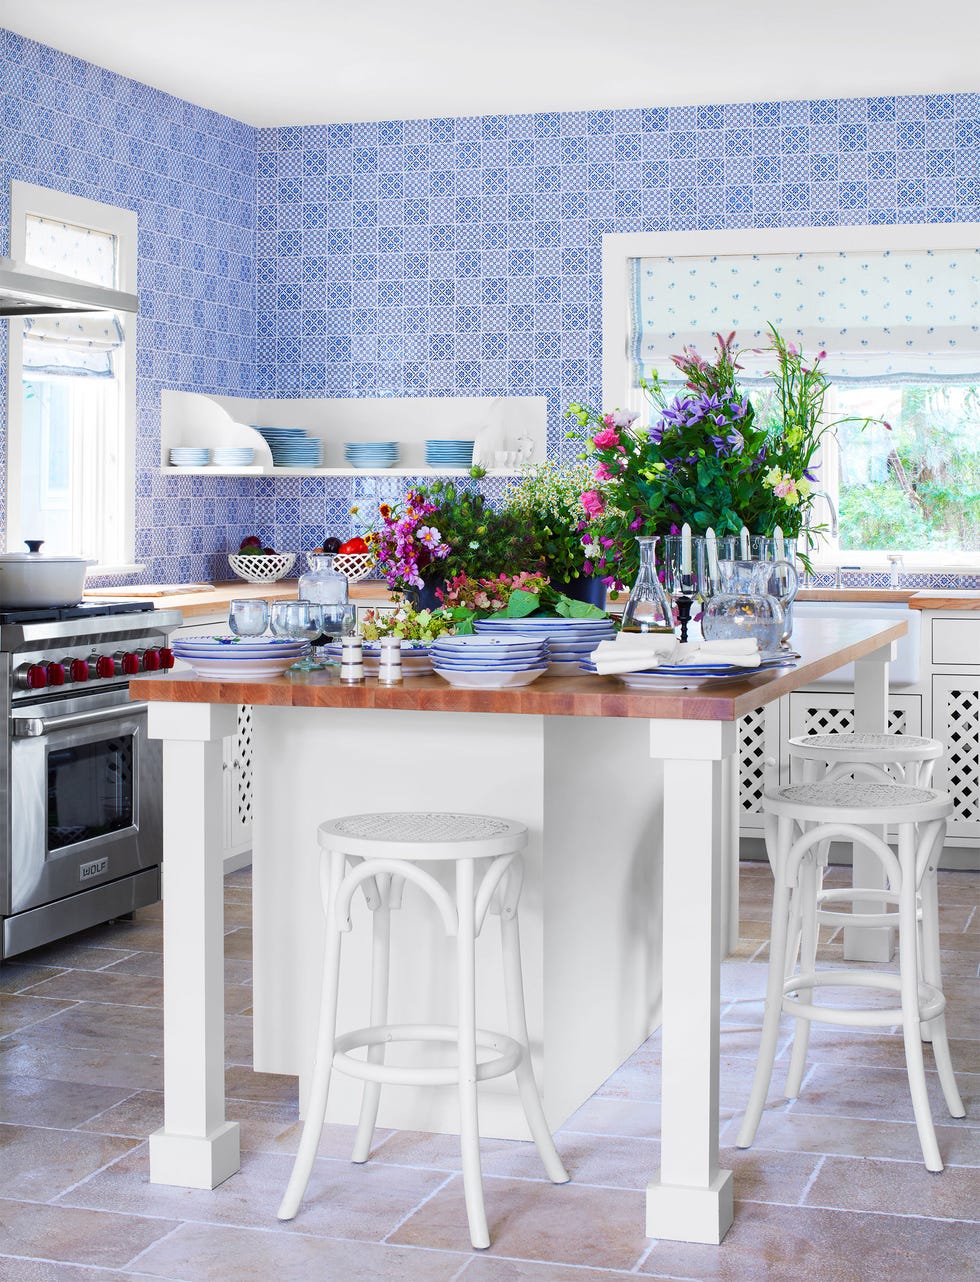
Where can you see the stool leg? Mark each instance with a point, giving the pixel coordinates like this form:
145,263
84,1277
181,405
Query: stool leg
932,974
469,1120
908,973
806,895
774,990
510,941
380,971
316,1107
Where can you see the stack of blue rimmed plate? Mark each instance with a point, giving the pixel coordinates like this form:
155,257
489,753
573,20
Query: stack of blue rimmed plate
228,658
232,455
570,641
291,447
682,676
490,662
189,456
454,454
371,454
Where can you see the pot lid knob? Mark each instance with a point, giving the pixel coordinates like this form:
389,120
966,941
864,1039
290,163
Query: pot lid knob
34,545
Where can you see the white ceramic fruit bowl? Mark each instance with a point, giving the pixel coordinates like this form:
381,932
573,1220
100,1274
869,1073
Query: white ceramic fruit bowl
356,565
262,569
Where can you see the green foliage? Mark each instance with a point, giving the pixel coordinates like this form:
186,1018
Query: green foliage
482,541
546,502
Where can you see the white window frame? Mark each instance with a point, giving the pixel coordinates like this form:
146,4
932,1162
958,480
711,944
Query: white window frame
46,202
620,248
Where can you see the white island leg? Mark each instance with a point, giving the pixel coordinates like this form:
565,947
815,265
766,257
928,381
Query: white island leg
870,943
690,1199
195,1147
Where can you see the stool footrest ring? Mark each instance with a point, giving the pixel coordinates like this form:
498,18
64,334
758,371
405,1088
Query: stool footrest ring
508,1054
931,1000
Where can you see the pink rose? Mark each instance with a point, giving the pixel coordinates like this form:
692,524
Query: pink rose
593,504
602,473
607,439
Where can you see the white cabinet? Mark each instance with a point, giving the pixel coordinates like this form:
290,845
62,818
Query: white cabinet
956,721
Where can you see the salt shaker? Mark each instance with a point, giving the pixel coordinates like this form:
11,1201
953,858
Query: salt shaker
390,666
351,660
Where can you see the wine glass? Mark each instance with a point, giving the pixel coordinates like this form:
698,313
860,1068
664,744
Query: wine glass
301,620
248,617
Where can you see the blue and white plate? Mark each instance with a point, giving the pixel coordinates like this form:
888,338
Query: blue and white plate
495,680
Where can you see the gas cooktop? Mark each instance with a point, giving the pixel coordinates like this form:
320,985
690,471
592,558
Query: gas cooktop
84,610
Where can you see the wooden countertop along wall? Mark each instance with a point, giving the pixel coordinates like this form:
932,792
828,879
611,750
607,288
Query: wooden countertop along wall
825,645
214,599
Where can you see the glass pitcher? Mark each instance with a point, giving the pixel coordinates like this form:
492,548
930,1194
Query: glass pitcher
327,587
648,608
745,607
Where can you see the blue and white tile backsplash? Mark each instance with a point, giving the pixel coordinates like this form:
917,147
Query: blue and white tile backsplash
444,257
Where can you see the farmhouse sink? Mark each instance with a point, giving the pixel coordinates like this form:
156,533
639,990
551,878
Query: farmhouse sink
904,669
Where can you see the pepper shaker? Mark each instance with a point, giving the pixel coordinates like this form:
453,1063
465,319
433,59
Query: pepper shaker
390,666
351,660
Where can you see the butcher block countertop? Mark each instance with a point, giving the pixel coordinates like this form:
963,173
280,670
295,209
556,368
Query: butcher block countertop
198,601
825,645
945,599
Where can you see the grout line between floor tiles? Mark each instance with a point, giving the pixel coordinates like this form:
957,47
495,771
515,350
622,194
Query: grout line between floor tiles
801,1200
150,1246
56,1200
418,1206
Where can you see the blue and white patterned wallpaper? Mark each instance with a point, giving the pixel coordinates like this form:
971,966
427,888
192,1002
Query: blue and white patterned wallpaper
425,258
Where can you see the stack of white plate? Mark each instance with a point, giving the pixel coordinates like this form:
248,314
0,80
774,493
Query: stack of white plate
449,454
189,456
490,662
291,447
570,641
415,657
232,455
228,658
371,454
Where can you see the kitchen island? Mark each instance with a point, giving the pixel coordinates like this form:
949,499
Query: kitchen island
630,800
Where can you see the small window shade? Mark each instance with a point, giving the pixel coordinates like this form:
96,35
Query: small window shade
71,345
879,316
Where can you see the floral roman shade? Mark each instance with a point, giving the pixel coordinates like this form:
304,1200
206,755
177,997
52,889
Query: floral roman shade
879,316
70,345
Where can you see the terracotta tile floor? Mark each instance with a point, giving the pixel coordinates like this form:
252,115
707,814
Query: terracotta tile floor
834,1187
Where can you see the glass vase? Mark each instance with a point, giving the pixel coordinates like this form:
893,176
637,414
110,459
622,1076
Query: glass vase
648,609
328,588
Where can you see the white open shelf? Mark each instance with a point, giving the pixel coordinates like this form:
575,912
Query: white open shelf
496,423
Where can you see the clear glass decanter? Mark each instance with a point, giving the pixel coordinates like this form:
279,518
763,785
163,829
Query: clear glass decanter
327,587
648,608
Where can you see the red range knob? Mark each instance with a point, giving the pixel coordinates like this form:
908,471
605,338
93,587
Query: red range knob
78,670
102,665
55,673
166,658
129,663
31,676
150,660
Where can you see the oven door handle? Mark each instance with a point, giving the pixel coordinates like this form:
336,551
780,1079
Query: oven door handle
34,727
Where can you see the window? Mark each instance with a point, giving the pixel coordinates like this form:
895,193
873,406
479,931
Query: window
897,308
71,417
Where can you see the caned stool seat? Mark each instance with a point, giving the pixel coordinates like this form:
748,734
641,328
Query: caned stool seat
801,820
902,758
376,854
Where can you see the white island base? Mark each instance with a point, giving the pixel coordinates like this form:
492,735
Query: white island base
590,796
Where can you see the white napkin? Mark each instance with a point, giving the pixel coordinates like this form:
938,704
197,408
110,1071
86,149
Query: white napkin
634,652
740,652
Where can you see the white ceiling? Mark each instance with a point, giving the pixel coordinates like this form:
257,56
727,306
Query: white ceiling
280,62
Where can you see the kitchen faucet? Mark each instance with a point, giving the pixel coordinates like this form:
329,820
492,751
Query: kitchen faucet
834,527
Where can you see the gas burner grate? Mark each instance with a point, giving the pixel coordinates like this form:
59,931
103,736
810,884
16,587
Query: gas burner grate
84,610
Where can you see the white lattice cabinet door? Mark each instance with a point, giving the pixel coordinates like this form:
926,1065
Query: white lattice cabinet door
758,753
832,712
238,792
956,721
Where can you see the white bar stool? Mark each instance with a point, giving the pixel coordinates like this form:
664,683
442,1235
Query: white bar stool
885,758
379,853
799,818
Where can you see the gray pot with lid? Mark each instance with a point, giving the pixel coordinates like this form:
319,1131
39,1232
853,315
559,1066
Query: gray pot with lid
33,579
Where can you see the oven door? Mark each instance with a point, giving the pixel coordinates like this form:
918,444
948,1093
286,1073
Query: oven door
85,799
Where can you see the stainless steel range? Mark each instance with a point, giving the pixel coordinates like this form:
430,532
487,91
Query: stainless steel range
81,837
